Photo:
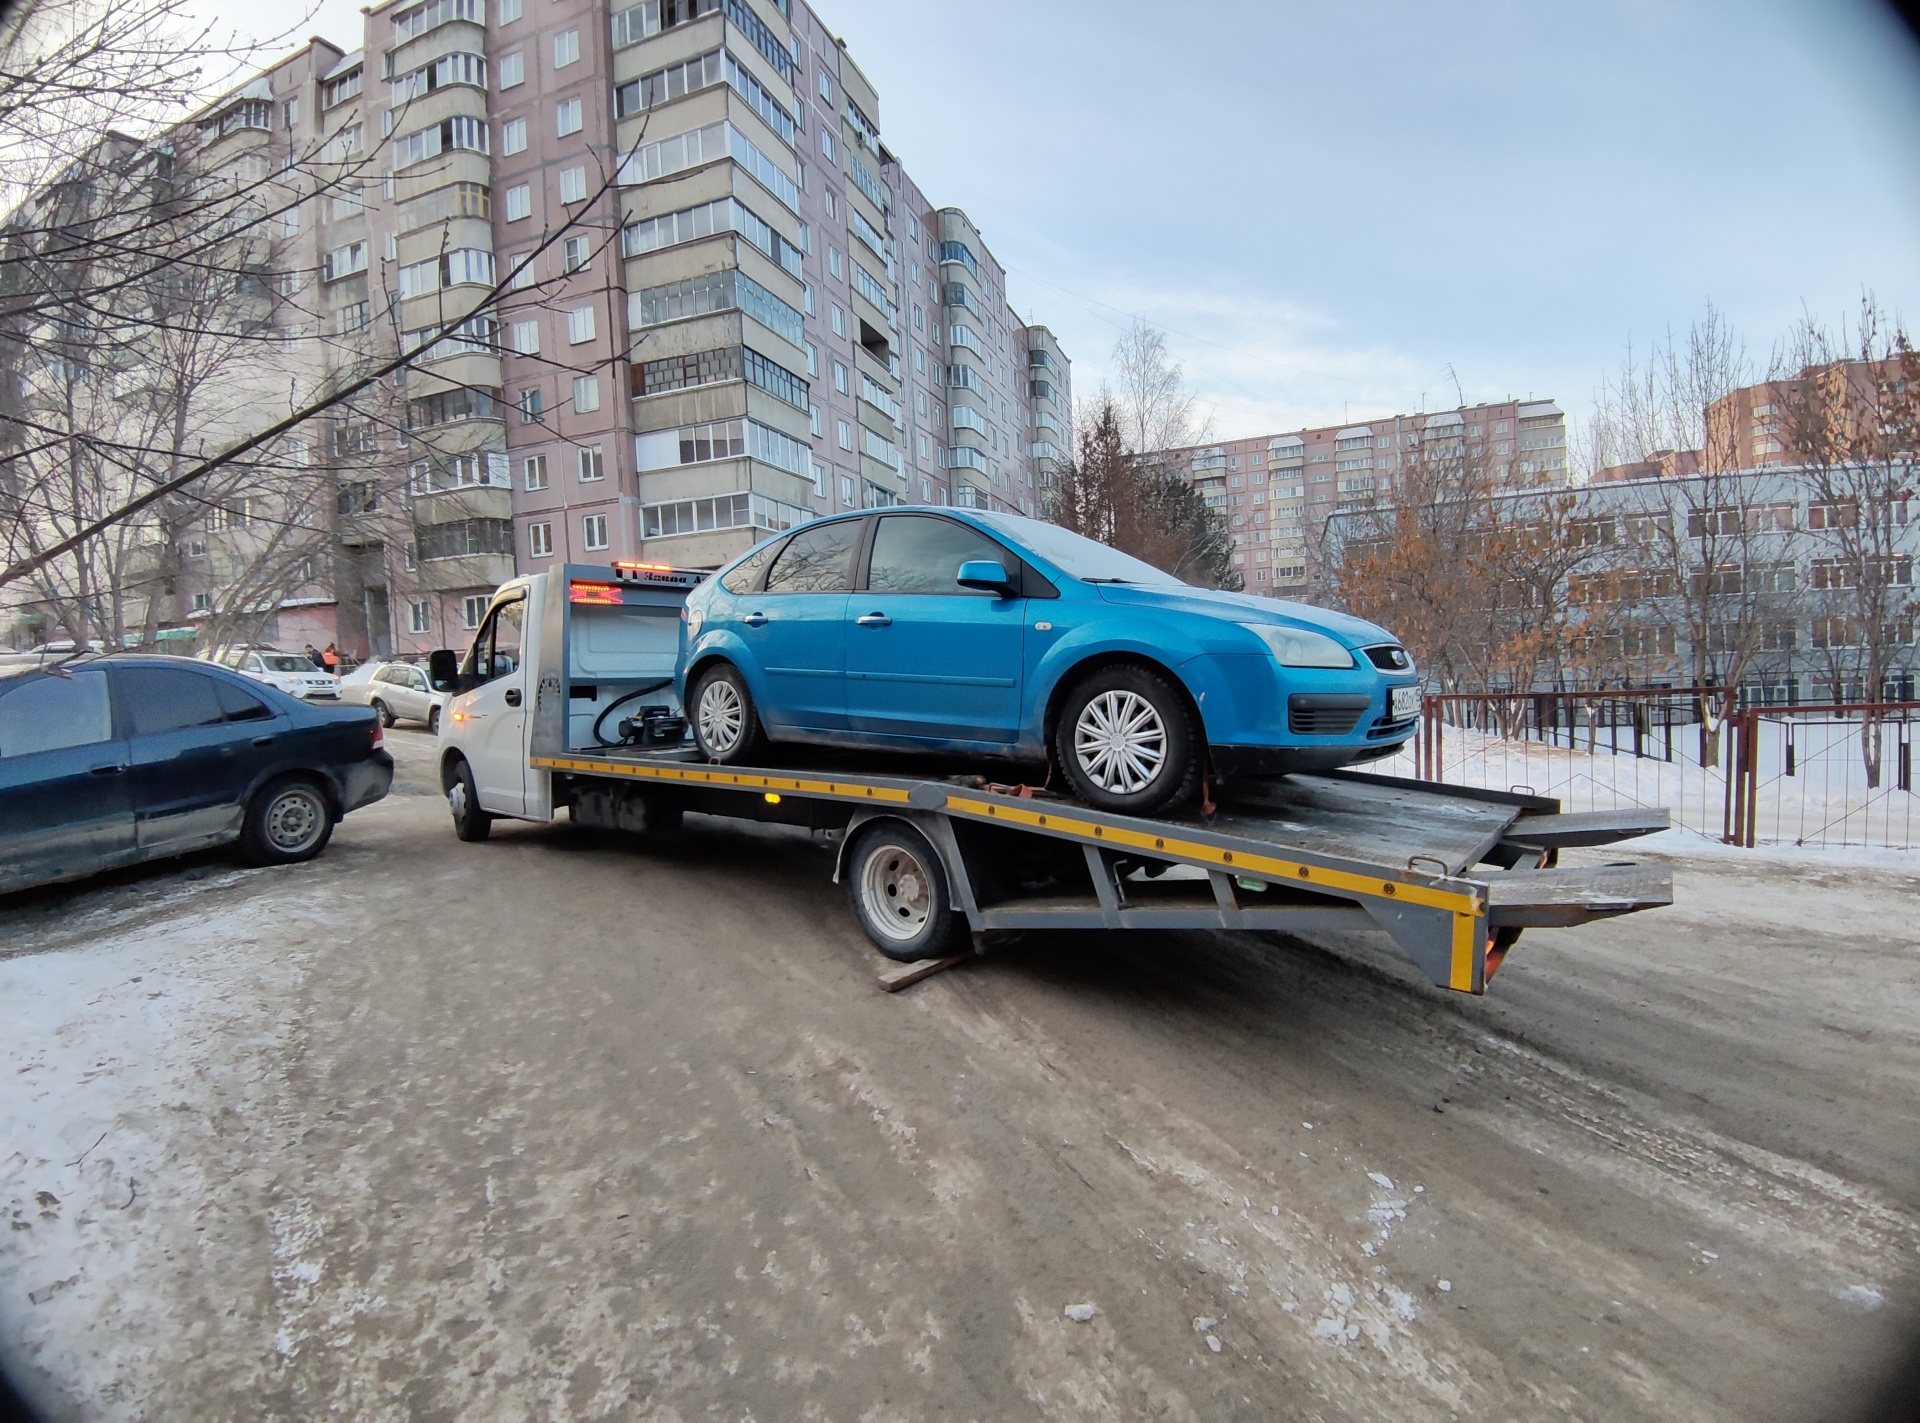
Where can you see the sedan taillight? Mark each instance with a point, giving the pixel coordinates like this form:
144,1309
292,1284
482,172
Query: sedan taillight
379,734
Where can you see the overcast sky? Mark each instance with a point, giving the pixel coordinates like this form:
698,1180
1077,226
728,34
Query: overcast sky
1334,211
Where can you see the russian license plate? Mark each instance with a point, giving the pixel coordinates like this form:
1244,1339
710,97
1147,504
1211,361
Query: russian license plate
1405,703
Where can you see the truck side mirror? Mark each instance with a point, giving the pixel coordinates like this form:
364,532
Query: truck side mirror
443,669
985,576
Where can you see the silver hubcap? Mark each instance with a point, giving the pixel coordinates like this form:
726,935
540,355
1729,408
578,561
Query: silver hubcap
897,892
1120,742
295,820
722,716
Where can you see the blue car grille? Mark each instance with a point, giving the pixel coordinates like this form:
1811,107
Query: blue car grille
1388,658
1325,713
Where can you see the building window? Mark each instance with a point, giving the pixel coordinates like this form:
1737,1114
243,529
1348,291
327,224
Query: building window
513,70
526,338
573,185
839,377
839,322
919,322
530,407
566,117
419,616
509,12
813,362
846,492
813,420
826,144
591,467
577,251
513,136
534,469
521,265
826,87
540,540
292,108
580,325
566,49
519,202
845,434
586,394
202,602
473,607
806,297
833,261
593,531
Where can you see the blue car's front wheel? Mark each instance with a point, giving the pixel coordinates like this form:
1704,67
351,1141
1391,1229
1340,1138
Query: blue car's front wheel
1127,741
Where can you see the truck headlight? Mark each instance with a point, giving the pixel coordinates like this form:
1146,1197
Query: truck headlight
1296,647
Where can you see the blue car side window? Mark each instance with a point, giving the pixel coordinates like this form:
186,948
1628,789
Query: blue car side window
744,577
916,553
818,560
54,713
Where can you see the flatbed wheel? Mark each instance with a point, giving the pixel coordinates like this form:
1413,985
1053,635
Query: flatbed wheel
898,887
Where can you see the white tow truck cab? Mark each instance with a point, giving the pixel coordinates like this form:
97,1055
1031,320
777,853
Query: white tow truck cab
577,659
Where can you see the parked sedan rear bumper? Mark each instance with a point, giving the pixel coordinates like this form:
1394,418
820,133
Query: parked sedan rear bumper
364,782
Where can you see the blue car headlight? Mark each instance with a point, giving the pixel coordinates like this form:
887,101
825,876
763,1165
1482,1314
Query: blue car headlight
1296,647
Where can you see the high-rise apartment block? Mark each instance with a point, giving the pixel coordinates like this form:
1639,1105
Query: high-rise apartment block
1277,492
728,307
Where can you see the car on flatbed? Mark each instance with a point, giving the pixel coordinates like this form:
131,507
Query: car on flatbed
965,633
113,760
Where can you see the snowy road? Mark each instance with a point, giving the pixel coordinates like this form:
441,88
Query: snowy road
564,1126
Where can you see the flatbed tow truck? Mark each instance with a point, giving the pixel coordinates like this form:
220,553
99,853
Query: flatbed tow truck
1452,874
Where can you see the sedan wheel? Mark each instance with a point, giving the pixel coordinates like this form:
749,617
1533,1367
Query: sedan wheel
726,724
1127,740
1120,741
286,823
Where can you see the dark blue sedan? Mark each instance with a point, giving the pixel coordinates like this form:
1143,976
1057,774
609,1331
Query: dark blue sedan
114,760
978,634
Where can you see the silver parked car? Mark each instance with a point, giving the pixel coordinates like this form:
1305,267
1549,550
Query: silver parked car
397,690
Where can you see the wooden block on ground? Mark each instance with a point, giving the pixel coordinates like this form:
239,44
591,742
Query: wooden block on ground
905,975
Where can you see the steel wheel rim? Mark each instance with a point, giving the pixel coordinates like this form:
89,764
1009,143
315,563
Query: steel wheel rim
1120,741
294,820
722,715
897,892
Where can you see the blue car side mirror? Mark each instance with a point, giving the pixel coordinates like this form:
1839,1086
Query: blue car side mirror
986,576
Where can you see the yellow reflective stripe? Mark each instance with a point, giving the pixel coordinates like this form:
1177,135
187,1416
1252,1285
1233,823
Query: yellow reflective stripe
1315,875
1466,936
708,775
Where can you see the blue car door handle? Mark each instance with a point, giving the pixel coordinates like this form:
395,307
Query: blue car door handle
108,770
875,620
263,741
755,620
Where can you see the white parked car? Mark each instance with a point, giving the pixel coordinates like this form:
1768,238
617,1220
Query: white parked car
397,690
291,672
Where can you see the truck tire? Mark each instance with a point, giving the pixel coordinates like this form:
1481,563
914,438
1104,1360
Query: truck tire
1127,742
470,822
725,722
288,821
898,887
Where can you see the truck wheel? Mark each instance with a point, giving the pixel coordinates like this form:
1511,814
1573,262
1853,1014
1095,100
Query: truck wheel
899,891
288,821
726,725
470,822
1127,742
387,718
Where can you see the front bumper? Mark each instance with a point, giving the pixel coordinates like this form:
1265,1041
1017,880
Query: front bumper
1231,761
364,782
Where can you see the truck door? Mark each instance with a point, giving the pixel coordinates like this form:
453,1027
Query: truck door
495,712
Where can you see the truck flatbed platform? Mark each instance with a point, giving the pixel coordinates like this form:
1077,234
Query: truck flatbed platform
1453,874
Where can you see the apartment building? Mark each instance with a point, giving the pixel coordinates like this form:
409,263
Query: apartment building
1277,492
729,307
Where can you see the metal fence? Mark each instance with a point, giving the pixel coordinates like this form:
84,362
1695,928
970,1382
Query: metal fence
1837,774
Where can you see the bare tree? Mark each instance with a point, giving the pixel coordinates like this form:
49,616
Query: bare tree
1710,542
1155,409
1849,414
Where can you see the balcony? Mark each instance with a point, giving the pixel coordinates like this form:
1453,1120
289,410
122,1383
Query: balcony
483,571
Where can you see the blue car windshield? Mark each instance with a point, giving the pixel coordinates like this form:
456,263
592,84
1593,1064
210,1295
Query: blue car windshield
1079,557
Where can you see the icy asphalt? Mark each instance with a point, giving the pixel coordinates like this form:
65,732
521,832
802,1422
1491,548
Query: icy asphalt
565,1126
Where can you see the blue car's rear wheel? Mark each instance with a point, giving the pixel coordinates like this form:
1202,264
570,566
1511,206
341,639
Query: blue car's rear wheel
286,822
725,722
1127,741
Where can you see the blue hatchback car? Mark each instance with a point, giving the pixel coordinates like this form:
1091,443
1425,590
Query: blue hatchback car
979,634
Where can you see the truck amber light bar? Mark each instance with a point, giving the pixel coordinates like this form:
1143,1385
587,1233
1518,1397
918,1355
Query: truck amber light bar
629,567
606,593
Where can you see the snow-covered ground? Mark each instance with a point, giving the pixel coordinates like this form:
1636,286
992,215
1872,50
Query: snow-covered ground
1815,797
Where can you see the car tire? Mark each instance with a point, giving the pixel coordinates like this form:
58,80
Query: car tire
1127,741
288,821
387,718
470,822
725,723
898,887
433,721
